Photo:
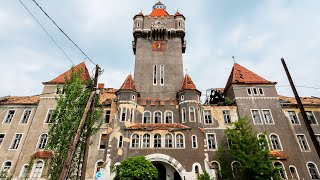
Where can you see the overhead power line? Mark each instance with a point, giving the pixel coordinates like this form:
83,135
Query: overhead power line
46,32
63,32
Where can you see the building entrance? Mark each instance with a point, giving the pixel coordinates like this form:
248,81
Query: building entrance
166,171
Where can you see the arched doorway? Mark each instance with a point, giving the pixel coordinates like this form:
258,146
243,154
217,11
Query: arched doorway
176,176
162,173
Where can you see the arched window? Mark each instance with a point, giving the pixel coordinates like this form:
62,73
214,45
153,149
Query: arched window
37,170
183,114
168,141
161,74
196,171
216,166
157,117
135,141
192,114
282,172
293,172
124,114
98,166
179,141
147,117
42,141
313,170
23,171
157,140
194,141
6,166
275,142
146,141
235,166
169,116
263,141
154,74
120,142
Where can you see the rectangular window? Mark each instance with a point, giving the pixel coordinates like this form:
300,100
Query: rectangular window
255,91
1,138
256,117
211,140
162,75
155,75
9,116
207,116
226,116
107,116
49,116
318,139
194,142
311,118
267,116
261,91
16,141
124,114
120,142
103,139
293,117
303,142
249,91
25,116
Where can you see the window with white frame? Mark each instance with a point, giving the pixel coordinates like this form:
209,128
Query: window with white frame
192,114
255,91
196,171
275,142
103,143
42,141
162,74
16,141
124,114
282,172
146,141
226,116
267,116
157,117
183,114
154,74
256,116
169,116
133,97
293,117
135,141
130,114
37,170
147,117
49,116
303,142
107,116
182,97
263,141
211,142
317,137
6,166
1,138
99,166
235,166
120,142
293,172
168,141
260,91
249,91
313,171
311,117
194,141
25,116
216,167
60,90
157,141
179,141
9,116
207,116
23,171
199,115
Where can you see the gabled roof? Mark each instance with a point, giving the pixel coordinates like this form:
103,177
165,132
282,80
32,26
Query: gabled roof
159,12
61,78
187,84
241,75
128,84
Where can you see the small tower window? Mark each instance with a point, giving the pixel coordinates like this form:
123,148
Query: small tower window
155,75
120,142
162,74
138,24
133,97
182,97
179,23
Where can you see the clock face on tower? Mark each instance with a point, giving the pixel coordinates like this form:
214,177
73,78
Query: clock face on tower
158,46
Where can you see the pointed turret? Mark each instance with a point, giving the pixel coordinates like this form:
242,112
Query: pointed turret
127,91
187,84
61,78
128,84
188,90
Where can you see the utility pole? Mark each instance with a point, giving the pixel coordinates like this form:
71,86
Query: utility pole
303,112
67,162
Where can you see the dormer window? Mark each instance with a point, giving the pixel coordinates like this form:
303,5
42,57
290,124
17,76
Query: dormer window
133,97
182,97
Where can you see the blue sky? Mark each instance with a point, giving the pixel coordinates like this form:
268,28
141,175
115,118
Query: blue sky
257,33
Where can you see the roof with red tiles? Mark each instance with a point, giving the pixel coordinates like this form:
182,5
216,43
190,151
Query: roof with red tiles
15,100
43,154
278,155
187,84
241,75
304,100
128,84
61,78
107,95
158,126
159,12
159,3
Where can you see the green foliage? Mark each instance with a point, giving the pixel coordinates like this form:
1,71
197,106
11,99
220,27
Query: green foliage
4,175
252,154
65,122
135,168
29,167
227,101
204,176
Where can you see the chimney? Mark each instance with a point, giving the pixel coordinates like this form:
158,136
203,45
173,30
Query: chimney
100,85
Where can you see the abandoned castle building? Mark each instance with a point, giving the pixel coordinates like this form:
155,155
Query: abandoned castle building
158,113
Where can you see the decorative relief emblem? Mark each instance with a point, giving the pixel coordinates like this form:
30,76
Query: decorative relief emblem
158,46
158,25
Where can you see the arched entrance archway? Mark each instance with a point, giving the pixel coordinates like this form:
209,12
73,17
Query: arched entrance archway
162,172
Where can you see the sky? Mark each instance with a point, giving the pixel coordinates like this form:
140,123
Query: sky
257,33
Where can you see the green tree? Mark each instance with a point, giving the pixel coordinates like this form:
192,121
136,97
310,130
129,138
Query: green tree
204,176
253,160
65,122
135,168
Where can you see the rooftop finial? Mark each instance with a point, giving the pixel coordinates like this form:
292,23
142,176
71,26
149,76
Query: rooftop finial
234,61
